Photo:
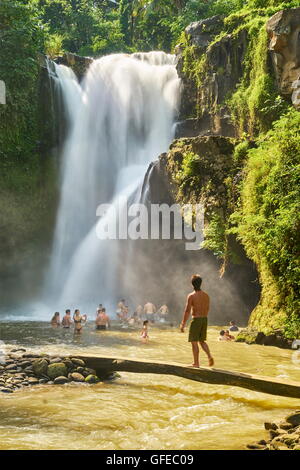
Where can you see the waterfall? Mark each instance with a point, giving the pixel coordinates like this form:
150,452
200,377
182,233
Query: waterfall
119,120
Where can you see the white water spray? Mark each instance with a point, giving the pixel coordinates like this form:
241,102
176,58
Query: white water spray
119,121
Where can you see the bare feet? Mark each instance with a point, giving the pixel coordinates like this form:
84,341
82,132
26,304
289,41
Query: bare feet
211,361
194,365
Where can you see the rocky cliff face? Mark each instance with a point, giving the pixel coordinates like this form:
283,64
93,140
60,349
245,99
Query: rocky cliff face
284,36
219,68
238,77
212,63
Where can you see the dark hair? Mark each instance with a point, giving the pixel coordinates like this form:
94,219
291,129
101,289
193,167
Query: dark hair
68,310
222,333
233,322
56,314
145,322
76,310
196,281
103,310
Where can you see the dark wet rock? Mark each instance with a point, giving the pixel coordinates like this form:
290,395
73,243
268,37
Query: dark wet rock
255,446
43,381
285,425
111,376
262,442
18,350
16,371
294,419
31,355
61,380
5,390
77,361
91,379
11,367
76,377
40,367
80,370
69,364
33,380
9,362
269,426
79,64
56,370
25,364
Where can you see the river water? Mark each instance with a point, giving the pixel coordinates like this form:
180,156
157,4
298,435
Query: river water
140,411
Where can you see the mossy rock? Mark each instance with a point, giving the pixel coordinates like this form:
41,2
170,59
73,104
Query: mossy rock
91,379
57,369
40,367
247,336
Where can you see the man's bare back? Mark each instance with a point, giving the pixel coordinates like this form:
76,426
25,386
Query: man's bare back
198,303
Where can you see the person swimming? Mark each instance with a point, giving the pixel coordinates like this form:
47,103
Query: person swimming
78,319
102,320
225,336
55,320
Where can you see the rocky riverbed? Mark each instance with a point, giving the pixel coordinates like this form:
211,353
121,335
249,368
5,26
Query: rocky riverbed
20,369
282,436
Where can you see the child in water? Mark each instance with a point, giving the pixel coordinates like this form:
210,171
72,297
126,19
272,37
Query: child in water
144,332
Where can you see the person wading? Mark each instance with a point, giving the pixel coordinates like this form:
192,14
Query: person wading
198,305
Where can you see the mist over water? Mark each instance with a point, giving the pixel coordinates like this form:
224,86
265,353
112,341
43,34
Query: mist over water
119,120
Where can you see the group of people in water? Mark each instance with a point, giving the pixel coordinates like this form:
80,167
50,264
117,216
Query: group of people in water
78,320
142,316
197,306
148,312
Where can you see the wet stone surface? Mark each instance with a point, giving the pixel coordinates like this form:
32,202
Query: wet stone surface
20,369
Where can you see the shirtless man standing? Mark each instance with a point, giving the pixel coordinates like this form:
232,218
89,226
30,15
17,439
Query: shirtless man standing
149,311
102,320
197,304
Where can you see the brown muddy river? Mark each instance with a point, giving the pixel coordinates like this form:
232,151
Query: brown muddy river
141,411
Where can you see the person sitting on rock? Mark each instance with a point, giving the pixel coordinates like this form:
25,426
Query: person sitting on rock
67,321
233,326
55,321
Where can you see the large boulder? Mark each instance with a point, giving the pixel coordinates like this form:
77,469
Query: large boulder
294,419
40,367
57,369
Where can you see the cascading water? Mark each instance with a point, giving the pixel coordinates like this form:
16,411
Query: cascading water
119,121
